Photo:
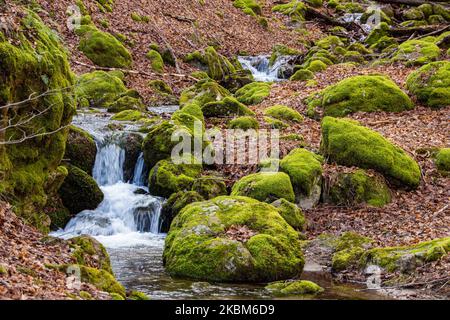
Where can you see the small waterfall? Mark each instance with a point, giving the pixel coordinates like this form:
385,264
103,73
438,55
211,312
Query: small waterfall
139,171
260,67
128,214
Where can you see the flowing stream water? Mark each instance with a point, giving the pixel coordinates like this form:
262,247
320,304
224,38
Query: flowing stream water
127,223
261,69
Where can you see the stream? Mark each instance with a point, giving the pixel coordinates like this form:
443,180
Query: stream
127,224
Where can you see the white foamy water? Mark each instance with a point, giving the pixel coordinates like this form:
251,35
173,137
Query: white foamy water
260,67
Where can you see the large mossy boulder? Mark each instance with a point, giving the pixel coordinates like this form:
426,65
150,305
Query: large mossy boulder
81,149
232,239
253,93
360,186
89,252
265,187
203,92
431,84
305,171
98,89
210,187
33,61
226,107
291,213
442,160
348,143
167,177
416,52
283,113
176,202
347,250
102,48
361,93
80,191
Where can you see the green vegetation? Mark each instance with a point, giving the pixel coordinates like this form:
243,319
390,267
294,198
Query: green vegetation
250,7
283,113
156,61
175,203
209,187
295,10
442,160
253,93
417,52
228,106
244,123
81,149
291,213
294,288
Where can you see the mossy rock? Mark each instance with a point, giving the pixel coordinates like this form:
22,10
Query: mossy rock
250,7
347,143
203,92
160,86
407,258
174,204
361,93
81,149
194,110
442,11
371,11
80,191
302,75
348,250
431,84
232,239
156,61
210,187
59,215
275,123
282,50
126,103
128,115
33,61
413,14
436,19
102,48
426,8
442,160
416,52
253,93
291,213
381,30
283,113
228,106
305,171
166,177
294,288
383,43
330,43
137,295
89,252
357,187
265,187
98,89
296,10
243,123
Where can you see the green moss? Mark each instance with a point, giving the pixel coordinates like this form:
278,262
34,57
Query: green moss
3,270
347,250
358,187
282,50
175,203
244,123
59,215
250,7
203,92
253,93
361,93
128,115
275,123
137,295
413,14
347,143
442,11
442,160
293,137
81,149
426,8
160,86
294,288
431,84
349,7
305,171
126,103
156,61
283,113
371,11
101,279
98,89
89,252
383,43
80,191
228,106
390,258
416,52
295,10
382,30
436,19
265,186
330,43
302,75
33,61
209,187
291,213
166,177
102,48
202,243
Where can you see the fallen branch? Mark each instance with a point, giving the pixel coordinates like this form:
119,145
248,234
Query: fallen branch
148,74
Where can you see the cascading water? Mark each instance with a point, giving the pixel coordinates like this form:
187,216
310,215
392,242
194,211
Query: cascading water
261,69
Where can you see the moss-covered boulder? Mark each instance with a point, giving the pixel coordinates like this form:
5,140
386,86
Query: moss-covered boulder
102,48
81,149
176,202
59,215
347,143
283,113
305,171
302,75
291,213
126,103
360,93
203,92
89,252
210,187
167,177
32,61
348,249
265,186
407,258
294,288
232,239
253,93
250,7
416,52
226,107
98,89
442,160
129,115
356,187
156,61
243,123
431,84
275,123
296,10
80,191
